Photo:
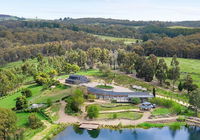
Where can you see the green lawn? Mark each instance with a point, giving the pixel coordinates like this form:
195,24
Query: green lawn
125,40
124,115
113,106
9,101
181,27
188,66
104,86
22,118
53,94
161,111
53,111
90,72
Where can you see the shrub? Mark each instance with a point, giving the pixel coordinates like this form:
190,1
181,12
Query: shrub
21,103
114,116
26,92
90,96
113,101
34,122
49,102
181,119
135,100
92,111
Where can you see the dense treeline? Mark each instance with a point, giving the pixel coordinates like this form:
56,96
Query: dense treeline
25,39
182,46
170,32
108,30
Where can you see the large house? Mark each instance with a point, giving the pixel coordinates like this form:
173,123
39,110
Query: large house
118,96
77,79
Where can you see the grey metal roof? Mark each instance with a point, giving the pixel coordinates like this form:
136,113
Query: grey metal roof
124,94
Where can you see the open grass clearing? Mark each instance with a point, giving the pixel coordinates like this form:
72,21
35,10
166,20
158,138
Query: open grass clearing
105,86
125,40
52,111
112,106
22,118
188,66
161,111
10,100
121,115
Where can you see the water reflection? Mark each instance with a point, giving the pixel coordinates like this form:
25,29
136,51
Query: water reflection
166,133
94,133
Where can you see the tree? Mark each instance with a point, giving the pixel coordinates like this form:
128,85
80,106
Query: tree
53,73
194,99
188,84
161,71
49,102
174,71
92,111
135,100
74,102
75,68
93,55
180,86
39,57
21,103
34,122
42,78
154,92
105,56
26,92
8,121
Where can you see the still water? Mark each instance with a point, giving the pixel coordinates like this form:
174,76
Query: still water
165,133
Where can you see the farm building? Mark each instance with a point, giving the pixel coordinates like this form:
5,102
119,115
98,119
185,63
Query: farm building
77,79
118,96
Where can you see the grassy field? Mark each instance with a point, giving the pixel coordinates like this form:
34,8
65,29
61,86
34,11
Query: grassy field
38,95
124,115
53,111
125,40
180,27
188,66
160,111
107,107
22,118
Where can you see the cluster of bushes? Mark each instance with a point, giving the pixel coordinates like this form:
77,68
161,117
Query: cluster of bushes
174,107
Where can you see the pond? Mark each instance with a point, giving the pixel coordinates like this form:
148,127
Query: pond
165,133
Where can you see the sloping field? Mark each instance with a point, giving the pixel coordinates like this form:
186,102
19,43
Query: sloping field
188,66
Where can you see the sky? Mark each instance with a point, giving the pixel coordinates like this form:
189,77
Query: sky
163,10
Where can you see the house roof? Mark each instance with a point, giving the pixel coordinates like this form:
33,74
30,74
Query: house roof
119,94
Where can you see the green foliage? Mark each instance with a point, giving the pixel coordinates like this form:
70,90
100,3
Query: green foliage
174,71
34,122
26,92
42,78
194,99
114,116
90,96
104,86
161,111
92,111
174,107
180,86
7,123
74,102
188,84
135,100
21,103
161,71
49,102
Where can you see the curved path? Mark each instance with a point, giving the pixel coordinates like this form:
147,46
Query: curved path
64,118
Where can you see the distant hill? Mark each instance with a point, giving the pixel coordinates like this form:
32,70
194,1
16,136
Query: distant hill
109,21
9,17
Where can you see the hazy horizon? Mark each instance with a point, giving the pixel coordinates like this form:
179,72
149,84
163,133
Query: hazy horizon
143,10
